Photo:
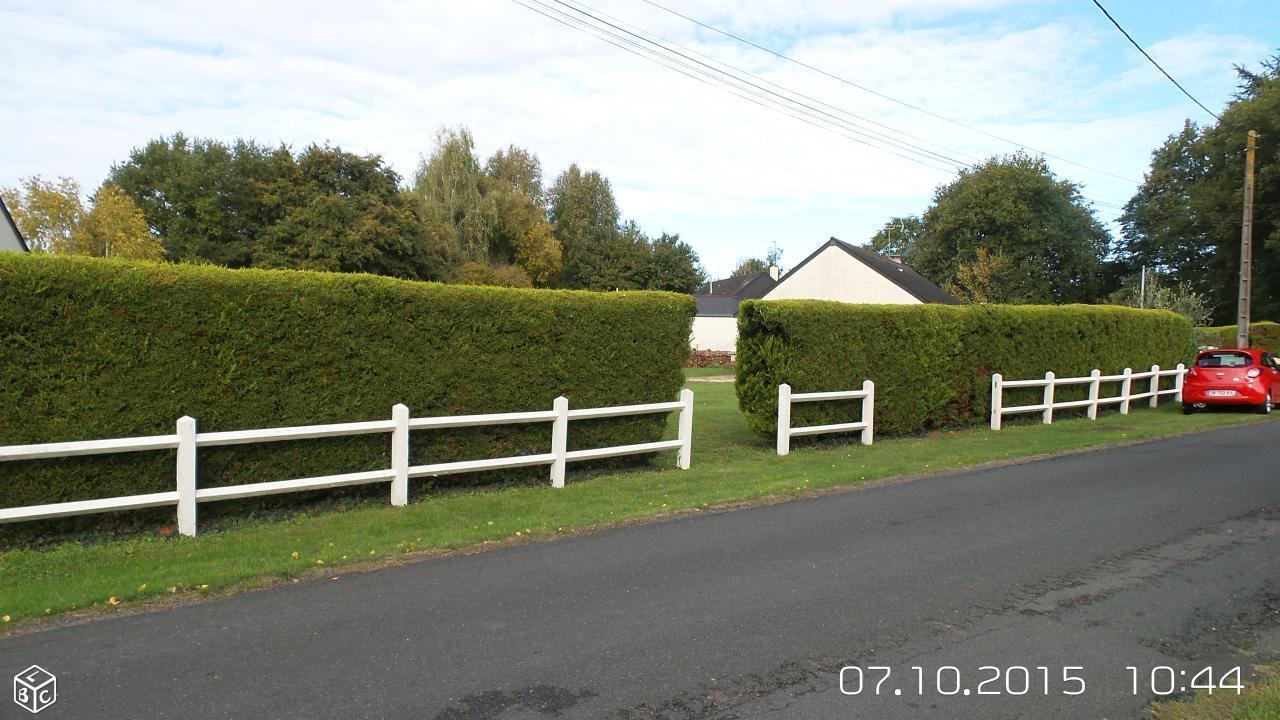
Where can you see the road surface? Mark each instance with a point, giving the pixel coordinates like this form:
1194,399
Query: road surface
1163,554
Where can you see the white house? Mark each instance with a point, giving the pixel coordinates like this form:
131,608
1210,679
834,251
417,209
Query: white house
10,238
715,327
836,271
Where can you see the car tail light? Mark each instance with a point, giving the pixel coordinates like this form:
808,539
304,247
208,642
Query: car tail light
1192,373
1254,372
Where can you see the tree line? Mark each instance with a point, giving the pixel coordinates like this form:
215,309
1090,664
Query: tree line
1010,231
244,204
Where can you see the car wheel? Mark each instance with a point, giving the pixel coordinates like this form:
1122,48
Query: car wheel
1188,408
1265,407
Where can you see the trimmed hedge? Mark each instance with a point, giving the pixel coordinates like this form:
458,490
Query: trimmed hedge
932,364
97,349
1265,335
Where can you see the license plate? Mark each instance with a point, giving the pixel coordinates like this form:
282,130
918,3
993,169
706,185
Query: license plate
1220,393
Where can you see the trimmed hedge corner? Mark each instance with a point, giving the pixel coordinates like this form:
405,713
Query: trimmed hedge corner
95,349
932,364
1265,335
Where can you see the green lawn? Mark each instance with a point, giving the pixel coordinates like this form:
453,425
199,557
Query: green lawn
1260,701
730,465
704,372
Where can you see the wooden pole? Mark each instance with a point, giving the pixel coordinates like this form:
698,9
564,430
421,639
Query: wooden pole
1246,245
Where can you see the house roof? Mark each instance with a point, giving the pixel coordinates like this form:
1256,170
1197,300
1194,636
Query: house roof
751,285
14,226
917,285
720,298
718,305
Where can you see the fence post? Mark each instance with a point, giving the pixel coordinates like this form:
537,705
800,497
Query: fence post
1125,386
1095,389
559,440
400,455
1177,382
784,419
187,476
1155,386
1047,415
868,412
996,397
685,455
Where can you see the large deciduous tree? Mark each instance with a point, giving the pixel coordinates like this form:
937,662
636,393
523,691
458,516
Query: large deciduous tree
47,212
451,185
1185,219
1015,208
52,216
345,213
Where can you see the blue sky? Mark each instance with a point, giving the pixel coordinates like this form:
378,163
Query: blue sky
86,81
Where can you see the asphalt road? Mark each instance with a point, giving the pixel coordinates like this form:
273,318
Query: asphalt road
1159,554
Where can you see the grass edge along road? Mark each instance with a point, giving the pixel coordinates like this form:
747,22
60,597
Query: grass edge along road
730,466
1258,701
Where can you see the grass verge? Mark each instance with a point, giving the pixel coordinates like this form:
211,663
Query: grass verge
1258,701
730,466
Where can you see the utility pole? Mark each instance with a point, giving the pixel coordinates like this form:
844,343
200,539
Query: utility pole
1246,245
1142,288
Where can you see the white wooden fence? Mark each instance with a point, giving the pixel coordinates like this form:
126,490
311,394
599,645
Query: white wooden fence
785,398
1095,379
186,440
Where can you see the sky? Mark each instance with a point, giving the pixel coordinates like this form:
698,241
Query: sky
85,82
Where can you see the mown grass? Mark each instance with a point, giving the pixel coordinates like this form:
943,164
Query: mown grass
1258,701
730,465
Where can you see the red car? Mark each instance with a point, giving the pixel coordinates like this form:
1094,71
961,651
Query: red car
1232,376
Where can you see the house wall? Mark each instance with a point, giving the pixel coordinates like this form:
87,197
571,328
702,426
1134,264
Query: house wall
8,240
714,333
834,274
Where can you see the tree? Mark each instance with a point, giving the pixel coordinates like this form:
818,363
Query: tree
114,227
208,200
673,266
47,212
900,237
476,273
53,219
1015,207
345,213
1184,221
522,234
452,190
747,266
985,279
585,216
1160,295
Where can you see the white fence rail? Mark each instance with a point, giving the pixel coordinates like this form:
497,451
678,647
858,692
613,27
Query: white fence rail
1094,380
187,440
786,398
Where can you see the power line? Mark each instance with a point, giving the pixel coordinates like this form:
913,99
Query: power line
639,44
761,96
878,94
666,50
1153,60
766,81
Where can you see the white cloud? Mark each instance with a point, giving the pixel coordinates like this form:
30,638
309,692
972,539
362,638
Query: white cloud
88,81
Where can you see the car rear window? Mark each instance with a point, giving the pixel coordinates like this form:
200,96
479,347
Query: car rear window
1224,359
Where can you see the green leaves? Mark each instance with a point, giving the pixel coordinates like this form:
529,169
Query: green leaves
932,364
1050,243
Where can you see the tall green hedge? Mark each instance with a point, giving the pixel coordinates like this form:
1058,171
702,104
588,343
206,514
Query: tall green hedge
932,364
1264,334
95,349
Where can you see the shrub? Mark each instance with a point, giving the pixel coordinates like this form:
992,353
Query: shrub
932,364
1263,334
97,349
